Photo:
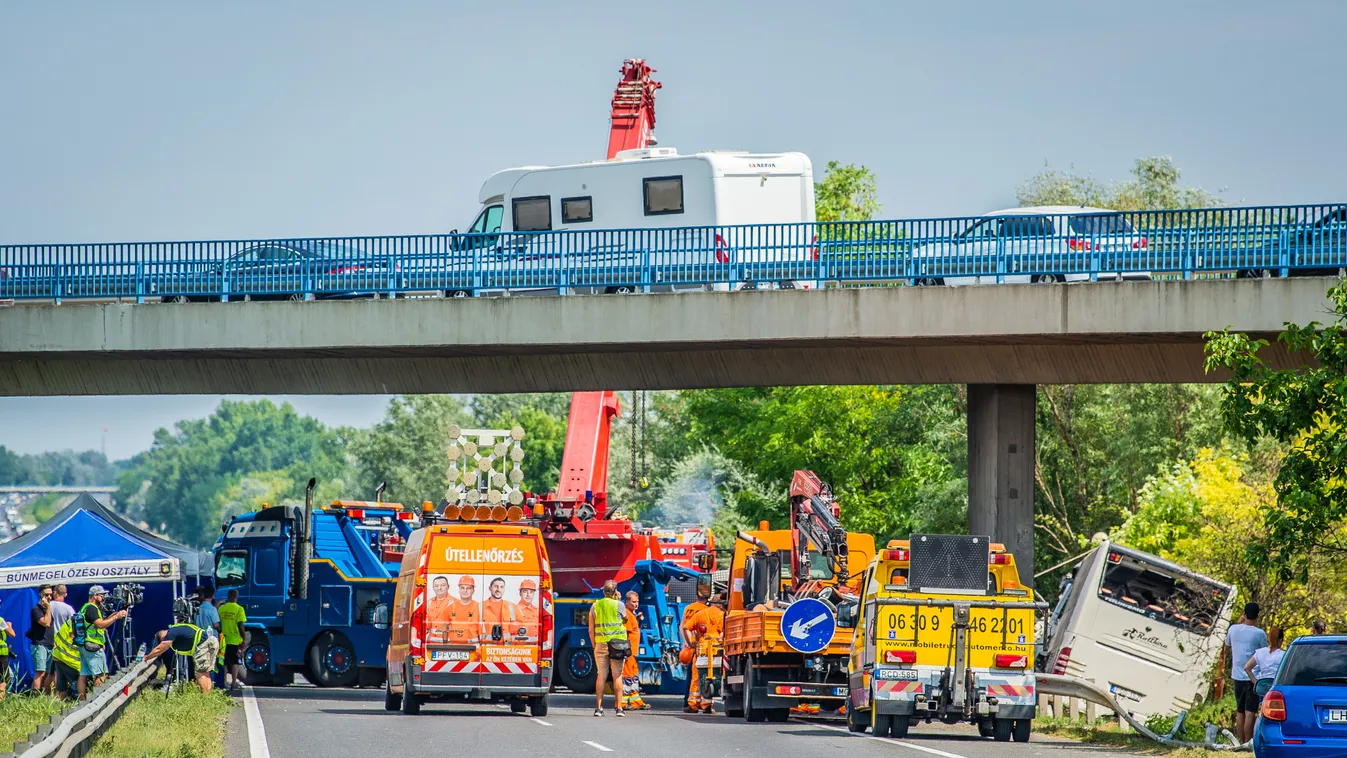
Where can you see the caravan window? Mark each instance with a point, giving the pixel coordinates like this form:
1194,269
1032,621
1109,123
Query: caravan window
663,195
577,210
1158,593
533,214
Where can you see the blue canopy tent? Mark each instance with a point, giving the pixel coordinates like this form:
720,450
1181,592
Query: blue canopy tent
86,544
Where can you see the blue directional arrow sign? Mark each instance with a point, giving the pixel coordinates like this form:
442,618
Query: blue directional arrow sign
808,625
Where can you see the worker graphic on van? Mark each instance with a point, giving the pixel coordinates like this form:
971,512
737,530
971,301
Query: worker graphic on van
465,614
437,610
500,618
528,608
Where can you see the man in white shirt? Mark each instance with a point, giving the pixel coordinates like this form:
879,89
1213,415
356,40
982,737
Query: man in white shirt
1242,640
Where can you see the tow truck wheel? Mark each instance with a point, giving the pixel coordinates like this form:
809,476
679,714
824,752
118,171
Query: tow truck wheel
257,661
518,706
1001,729
576,670
332,661
751,715
900,726
1022,729
538,706
857,722
985,727
880,723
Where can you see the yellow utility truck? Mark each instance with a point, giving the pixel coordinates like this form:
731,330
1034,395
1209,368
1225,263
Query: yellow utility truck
792,603
946,633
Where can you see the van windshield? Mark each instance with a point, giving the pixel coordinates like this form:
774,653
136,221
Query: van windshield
488,221
1153,591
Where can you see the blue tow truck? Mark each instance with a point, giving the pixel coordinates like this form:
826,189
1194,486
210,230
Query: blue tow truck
317,587
666,589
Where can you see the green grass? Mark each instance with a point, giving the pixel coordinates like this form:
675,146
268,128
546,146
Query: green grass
19,714
1106,732
186,724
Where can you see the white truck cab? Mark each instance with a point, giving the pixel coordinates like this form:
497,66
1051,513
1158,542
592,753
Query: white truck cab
616,212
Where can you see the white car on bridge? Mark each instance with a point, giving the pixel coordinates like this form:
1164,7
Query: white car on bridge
1046,243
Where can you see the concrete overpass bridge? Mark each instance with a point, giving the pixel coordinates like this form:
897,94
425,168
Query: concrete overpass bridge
1000,340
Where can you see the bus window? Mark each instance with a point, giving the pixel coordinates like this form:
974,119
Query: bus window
1162,595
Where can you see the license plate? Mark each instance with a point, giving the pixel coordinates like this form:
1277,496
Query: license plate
449,655
840,691
901,675
1335,715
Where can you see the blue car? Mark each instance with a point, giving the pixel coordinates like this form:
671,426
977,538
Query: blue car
1305,713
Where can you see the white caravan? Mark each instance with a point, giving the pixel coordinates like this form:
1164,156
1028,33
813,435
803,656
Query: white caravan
1145,628
647,218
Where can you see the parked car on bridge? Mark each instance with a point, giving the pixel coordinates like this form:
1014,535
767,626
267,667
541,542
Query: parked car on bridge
1318,248
1048,244
289,270
1305,712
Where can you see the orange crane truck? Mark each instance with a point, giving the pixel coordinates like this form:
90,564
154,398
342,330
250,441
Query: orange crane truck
792,604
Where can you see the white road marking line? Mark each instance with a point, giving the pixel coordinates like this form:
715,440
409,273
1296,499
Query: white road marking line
598,747
257,734
540,721
891,741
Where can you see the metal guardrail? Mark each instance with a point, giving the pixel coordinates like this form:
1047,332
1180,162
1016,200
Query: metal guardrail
1072,686
1064,245
73,733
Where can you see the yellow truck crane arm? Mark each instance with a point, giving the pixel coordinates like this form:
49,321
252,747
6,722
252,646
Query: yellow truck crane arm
815,520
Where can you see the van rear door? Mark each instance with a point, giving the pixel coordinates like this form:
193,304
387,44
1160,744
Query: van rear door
510,651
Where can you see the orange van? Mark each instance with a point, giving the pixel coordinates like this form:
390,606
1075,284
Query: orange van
472,618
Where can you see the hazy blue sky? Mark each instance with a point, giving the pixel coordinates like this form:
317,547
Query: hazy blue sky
161,120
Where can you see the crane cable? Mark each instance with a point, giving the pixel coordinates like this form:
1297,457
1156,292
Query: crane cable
638,412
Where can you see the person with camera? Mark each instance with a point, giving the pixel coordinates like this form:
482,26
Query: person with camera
189,641
90,637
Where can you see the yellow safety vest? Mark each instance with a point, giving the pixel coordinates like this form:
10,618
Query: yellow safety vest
196,640
64,648
4,637
608,621
91,632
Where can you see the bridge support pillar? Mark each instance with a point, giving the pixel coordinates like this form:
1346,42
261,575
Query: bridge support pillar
1001,468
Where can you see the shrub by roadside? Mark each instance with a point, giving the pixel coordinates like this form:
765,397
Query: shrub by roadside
186,724
20,714
1105,732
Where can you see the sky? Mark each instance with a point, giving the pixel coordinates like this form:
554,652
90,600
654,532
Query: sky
138,121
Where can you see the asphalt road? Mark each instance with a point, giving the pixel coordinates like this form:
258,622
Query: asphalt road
306,722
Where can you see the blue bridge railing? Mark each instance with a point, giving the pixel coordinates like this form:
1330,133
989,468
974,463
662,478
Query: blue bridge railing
1033,246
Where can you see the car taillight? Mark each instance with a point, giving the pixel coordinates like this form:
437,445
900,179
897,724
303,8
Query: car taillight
1141,244
1078,244
900,656
1274,706
1063,658
1000,559
347,269
1011,661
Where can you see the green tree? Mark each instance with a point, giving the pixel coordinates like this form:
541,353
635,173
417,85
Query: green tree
1304,409
1154,186
485,408
544,440
177,485
408,448
847,193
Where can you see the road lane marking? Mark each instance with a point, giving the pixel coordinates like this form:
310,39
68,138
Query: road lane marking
891,741
540,721
598,747
257,734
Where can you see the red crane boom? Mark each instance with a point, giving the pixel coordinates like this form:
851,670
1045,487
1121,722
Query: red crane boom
633,114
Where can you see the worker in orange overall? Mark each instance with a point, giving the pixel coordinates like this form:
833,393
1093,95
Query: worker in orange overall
631,672
437,610
693,608
465,614
528,608
706,629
